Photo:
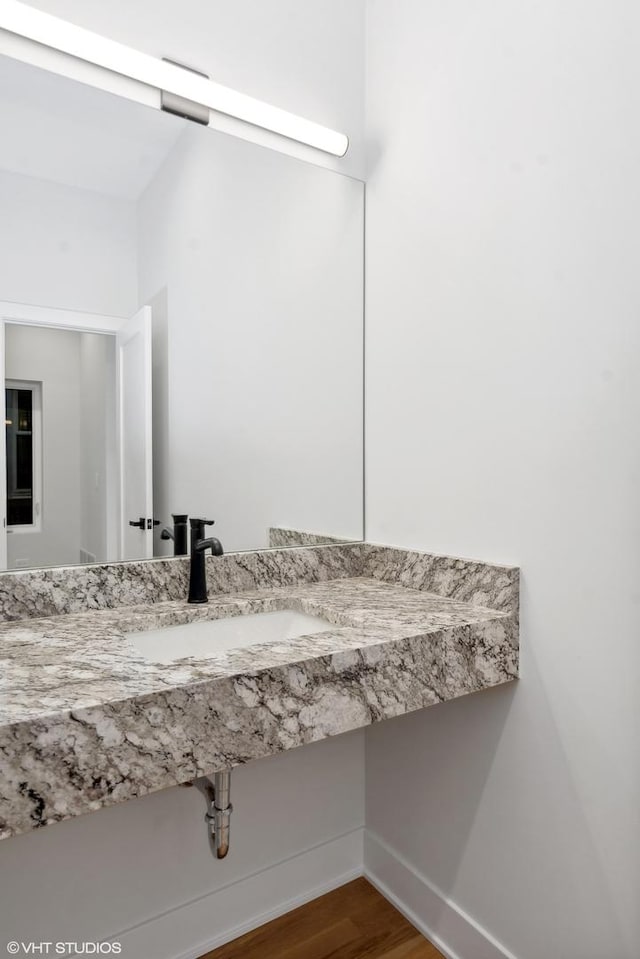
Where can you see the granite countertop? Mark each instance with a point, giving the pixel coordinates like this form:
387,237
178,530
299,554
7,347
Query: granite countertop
86,721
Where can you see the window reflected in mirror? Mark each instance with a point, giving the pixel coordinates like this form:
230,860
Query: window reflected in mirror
21,399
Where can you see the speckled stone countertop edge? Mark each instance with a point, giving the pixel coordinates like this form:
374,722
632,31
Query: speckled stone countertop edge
54,769
431,628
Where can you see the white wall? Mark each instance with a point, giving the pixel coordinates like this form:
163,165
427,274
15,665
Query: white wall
51,357
261,257
503,292
66,248
304,57
142,872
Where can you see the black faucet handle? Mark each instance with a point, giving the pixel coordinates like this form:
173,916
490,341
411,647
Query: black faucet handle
197,530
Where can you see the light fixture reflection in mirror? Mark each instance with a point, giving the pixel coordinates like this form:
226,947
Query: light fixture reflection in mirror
26,21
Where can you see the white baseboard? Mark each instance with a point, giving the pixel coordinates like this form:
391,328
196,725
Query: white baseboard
195,928
448,927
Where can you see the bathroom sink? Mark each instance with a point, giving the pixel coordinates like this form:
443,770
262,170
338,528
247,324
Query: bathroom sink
208,638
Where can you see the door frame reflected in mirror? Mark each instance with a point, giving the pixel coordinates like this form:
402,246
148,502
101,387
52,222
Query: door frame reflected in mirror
120,328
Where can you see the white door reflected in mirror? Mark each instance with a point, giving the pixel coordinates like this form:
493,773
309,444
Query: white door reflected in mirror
135,453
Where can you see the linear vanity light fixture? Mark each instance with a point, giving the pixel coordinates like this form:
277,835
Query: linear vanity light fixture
19,18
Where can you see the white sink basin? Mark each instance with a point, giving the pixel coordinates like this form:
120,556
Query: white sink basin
214,636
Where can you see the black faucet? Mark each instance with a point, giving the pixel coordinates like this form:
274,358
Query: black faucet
197,572
178,534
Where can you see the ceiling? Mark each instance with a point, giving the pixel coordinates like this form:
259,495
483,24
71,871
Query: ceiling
67,132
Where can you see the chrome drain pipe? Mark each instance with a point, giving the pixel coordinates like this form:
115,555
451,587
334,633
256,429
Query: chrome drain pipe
219,809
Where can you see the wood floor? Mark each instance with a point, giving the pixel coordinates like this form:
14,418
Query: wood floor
352,922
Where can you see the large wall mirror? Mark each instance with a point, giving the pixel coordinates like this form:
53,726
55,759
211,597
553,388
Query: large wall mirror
181,333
